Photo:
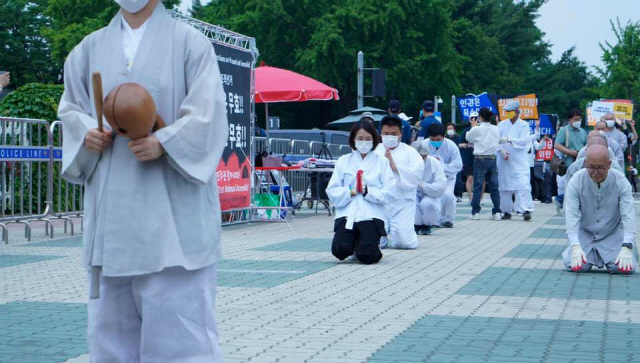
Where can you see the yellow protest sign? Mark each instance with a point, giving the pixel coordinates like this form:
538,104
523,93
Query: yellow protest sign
623,110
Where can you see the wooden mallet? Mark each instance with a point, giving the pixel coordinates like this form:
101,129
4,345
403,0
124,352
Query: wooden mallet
97,97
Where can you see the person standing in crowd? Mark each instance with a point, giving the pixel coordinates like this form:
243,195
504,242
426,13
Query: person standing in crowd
361,185
152,280
536,179
447,152
569,140
600,217
513,164
486,139
395,109
428,118
430,190
466,152
613,133
601,127
451,135
544,153
407,167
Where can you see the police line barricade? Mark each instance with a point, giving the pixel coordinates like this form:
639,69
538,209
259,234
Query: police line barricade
68,198
259,144
26,155
280,146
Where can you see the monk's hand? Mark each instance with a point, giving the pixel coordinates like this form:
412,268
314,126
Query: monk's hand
625,260
505,154
577,258
146,148
96,141
504,139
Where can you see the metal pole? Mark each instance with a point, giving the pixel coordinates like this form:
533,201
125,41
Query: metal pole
266,115
360,79
453,109
435,103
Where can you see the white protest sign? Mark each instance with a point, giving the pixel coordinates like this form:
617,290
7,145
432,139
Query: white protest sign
599,109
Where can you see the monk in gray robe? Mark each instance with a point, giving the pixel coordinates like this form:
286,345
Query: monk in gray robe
600,217
152,212
594,138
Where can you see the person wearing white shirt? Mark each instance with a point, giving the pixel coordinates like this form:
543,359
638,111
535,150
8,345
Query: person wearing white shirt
407,166
614,145
430,190
600,217
614,133
513,164
485,138
361,185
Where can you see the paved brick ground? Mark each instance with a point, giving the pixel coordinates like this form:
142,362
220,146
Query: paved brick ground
483,291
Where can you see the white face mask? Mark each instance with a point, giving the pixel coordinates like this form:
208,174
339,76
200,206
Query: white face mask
364,146
576,124
610,123
390,141
132,6
451,132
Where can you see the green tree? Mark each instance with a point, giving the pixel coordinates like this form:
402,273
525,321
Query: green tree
621,71
24,52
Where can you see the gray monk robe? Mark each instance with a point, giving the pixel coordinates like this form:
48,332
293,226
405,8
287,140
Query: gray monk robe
142,217
599,218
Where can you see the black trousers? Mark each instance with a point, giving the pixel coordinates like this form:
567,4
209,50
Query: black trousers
363,239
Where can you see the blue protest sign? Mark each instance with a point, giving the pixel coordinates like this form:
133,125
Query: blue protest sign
471,103
546,125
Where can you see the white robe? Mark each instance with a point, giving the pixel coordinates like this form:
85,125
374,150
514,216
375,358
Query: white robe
619,137
401,213
514,174
380,184
449,155
142,217
430,191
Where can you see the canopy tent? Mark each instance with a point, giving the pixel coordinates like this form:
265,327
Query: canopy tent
280,85
355,116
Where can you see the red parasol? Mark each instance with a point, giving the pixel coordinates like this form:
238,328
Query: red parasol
280,85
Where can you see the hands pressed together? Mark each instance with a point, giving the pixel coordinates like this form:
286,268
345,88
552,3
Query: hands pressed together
145,149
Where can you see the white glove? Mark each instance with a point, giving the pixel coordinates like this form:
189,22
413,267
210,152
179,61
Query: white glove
577,258
625,260
505,154
504,139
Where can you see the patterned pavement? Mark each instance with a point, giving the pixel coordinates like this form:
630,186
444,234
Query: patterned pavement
484,291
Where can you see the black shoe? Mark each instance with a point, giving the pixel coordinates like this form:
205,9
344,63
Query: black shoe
417,228
447,225
424,231
527,216
506,216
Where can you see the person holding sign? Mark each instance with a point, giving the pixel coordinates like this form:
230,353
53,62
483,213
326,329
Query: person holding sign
513,164
152,212
600,217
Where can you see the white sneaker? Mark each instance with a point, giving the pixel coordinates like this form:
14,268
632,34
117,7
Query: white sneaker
475,217
496,217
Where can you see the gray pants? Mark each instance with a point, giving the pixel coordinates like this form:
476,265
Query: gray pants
594,258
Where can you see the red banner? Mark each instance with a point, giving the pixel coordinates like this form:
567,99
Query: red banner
234,183
546,153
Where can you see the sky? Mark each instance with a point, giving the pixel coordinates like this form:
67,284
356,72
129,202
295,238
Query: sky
567,23
584,24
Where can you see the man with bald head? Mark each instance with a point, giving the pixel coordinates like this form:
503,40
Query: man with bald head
594,138
614,145
600,217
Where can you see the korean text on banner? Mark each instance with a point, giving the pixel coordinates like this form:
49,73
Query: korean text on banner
471,103
546,153
546,126
234,170
623,111
599,109
528,106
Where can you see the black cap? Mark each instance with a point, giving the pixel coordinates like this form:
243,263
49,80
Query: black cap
428,106
395,106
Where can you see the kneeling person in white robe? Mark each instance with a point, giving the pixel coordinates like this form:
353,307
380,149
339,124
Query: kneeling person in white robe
448,154
430,190
407,167
360,186
600,217
152,212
